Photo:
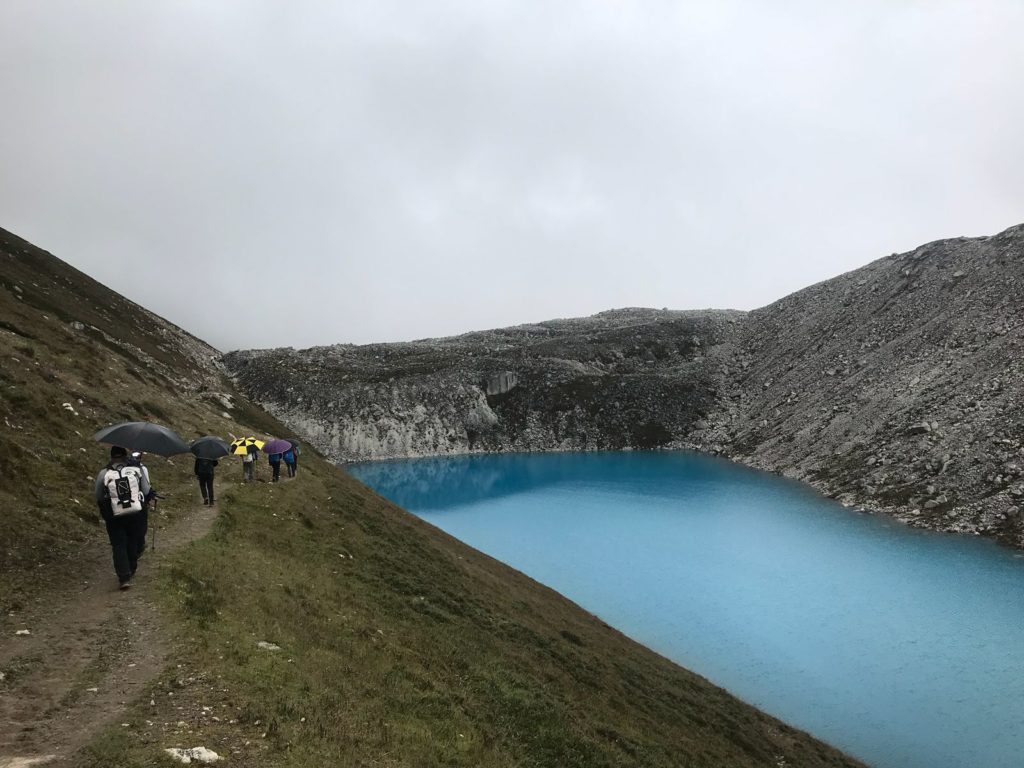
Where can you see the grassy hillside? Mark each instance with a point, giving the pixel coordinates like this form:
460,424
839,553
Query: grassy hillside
397,644
77,357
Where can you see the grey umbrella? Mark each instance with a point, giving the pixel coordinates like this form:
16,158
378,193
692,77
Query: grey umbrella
210,447
143,436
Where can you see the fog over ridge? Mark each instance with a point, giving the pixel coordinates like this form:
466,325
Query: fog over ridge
269,174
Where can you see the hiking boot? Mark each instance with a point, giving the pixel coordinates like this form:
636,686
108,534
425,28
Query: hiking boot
125,585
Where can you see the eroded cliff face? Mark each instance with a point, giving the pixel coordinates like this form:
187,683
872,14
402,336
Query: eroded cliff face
897,387
621,379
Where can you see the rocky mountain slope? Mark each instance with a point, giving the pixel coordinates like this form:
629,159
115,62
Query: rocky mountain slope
899,386
395,644
626,378
895,387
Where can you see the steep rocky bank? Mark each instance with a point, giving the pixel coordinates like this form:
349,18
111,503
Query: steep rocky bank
899,386
895,387
626,378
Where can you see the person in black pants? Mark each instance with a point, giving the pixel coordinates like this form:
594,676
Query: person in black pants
275,464
142,526
204,472
124,527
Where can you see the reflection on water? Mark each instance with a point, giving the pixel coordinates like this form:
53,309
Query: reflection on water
439,483
904,648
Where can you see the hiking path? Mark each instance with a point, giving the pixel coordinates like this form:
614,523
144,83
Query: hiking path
89,652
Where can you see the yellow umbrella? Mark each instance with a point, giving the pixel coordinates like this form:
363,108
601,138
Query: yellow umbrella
240,447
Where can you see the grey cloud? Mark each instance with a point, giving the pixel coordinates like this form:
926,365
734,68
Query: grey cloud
393,170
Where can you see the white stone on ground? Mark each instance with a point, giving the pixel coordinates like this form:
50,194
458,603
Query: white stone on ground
199,754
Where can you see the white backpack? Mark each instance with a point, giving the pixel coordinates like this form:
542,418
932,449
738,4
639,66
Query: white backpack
123,487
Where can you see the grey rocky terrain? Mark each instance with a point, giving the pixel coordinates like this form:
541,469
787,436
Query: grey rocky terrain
897,387
625,378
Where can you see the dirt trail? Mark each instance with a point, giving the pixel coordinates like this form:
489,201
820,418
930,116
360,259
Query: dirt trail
91,651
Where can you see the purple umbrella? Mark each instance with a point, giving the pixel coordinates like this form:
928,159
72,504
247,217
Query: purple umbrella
277,446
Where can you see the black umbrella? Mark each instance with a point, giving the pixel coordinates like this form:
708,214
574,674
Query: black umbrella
210,447
143,436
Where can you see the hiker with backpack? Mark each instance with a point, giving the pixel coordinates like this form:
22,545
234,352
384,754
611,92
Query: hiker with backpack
121,494
275,465
249,465
289,461
204,473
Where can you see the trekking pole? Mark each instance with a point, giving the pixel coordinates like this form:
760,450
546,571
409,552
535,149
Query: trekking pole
156,498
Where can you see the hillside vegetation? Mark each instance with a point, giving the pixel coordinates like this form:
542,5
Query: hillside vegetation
397,645
76,357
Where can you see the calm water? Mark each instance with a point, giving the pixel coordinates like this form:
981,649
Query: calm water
903,648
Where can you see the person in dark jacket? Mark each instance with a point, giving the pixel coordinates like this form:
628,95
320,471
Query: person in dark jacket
289,461
204,473
275,464
127,486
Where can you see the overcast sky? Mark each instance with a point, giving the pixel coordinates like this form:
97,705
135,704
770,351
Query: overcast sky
298,173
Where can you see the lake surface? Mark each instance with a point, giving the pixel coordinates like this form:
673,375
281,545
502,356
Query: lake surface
901,647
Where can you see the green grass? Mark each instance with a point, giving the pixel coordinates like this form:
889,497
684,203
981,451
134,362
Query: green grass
399,645
402,646
48,460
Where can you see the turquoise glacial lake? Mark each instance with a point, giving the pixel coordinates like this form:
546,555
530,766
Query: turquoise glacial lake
901,647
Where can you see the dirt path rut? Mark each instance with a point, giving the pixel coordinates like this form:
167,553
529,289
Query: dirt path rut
89,653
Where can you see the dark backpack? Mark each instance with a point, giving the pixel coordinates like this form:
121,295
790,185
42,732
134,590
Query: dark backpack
204,467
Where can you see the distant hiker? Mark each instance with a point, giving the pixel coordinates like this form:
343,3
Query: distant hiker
289,461
121,491
275,464
204,472
248,465
295,459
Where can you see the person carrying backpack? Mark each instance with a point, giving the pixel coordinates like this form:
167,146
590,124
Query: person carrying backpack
121,491
248,465
275,464
204,472
289,461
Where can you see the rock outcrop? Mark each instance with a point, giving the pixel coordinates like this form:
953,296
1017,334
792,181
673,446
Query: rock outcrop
896,387
620,379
